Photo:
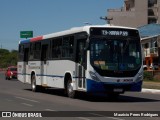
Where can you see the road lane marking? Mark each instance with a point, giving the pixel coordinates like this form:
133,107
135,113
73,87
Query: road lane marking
26,104
114,118
27,99
83,118
49,110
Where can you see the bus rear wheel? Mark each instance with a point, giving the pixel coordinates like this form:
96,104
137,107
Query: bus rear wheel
33,83
70,92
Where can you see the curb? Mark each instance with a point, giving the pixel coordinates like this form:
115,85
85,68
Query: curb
154,91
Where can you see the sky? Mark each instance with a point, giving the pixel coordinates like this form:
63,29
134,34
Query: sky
48,16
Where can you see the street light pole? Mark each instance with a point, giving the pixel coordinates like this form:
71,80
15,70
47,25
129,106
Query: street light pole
107,19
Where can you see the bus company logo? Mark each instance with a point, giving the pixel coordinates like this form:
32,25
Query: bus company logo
6,114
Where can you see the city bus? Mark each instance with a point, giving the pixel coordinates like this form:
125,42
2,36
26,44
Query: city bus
95,59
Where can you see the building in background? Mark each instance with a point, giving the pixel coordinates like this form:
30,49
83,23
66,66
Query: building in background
150,35
136,13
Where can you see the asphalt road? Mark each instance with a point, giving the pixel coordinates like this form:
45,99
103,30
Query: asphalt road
16,96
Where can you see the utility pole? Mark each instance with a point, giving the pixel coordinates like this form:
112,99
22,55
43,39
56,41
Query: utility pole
107,19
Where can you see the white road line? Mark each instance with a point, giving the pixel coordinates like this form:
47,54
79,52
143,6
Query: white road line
83,118
27,99
49,110
114,118
27,104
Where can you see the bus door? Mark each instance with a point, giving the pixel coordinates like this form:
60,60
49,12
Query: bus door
25,65
81,63
44,65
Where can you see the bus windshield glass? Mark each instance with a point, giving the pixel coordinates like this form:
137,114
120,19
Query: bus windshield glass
115,54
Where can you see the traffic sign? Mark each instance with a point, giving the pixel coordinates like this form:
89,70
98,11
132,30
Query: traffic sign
26,34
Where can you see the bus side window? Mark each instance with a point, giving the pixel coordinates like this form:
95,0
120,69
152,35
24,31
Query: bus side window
21,52
31,51
37,50
44,52
56,48
71,46
26,54
68,45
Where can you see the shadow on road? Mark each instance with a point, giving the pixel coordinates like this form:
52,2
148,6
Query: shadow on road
12,80
92,98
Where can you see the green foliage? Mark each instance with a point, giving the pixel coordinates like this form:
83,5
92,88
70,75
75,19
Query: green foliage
8,58
148,75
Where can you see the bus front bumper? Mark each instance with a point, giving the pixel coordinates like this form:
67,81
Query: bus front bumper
93,87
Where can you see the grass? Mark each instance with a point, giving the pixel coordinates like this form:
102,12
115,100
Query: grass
150,81
151,85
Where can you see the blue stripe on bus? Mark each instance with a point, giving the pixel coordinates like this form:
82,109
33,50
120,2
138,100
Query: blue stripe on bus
23,74
49,75
42,75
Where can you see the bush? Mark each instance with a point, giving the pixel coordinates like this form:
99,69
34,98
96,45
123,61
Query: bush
148,76
8,58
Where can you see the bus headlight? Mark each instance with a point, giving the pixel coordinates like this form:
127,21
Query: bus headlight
140,77
93,76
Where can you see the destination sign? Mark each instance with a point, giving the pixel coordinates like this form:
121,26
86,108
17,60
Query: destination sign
114,32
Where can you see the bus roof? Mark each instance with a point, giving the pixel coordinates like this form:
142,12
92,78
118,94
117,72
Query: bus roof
70,31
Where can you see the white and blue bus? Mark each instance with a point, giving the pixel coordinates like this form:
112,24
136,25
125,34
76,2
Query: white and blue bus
93,59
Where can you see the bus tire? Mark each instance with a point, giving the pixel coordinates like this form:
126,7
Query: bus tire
70,92
33,83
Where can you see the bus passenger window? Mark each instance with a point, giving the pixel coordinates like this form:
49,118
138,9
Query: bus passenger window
68,43
21,52
44,54
37,50
31,51
56,48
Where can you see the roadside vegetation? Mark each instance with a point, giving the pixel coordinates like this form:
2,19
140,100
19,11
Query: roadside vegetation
8,58
151,81
149,77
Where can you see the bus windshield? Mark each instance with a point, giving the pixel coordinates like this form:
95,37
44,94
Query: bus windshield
115,54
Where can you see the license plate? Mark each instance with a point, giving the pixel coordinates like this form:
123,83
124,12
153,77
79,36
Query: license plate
118,90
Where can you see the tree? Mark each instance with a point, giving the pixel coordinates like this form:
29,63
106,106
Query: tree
8,58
